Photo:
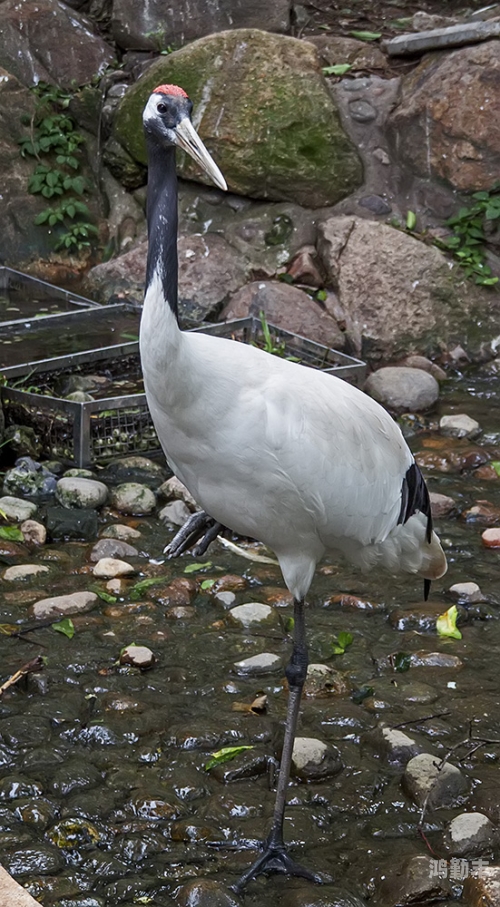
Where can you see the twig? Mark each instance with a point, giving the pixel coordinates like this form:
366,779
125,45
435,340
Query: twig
418,720
34,665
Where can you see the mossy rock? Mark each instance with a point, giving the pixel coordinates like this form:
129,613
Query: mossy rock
264,111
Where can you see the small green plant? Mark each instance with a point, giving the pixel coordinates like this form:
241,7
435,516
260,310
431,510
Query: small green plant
269,345
55,143
341,642
469,236
338,69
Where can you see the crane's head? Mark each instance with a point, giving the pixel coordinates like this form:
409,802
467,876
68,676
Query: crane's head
167,121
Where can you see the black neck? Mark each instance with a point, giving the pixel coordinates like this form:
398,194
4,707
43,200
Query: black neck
162,222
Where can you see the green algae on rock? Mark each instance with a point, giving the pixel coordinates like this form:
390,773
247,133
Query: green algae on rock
263,108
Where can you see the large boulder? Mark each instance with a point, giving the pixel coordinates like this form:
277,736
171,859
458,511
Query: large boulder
264,110
287,307
209,270
156,25
446,123
399,293
43,40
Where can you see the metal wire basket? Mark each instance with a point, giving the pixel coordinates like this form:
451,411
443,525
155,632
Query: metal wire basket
94,432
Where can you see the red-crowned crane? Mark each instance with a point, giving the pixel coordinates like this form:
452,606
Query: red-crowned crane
300,460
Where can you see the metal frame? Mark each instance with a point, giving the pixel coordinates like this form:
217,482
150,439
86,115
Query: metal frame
249,329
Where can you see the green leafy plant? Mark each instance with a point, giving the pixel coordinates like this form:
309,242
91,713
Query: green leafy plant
469,234
338,69
55,143
446,623
225,755
269,345
342,642
66,627
366,35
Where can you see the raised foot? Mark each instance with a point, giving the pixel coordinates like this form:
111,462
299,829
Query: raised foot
275,859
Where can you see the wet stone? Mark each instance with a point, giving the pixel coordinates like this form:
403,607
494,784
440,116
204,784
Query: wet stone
441,505
421,617
64,605
470,834
353,603
74,775
192,831
13,787
34,532
313,759
180,591
153,808
483,512
39,813
82,494
16,509
23,572
422,659
137,656
393,744
265,663
225,598
412,882
41,859
71,524
25,730
459,425
251,613
135,469
323,680
114,548
181,612
426,780
403,389
246,765
133,498
205,893
491,538
229,583
110,567
174,490
120,531
175,513
468,593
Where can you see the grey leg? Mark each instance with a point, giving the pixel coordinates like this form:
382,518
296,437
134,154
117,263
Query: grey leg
201,528
275,857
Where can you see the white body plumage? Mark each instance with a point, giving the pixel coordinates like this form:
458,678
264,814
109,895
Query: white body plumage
300,460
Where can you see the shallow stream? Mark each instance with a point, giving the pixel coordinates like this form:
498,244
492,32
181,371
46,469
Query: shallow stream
104,794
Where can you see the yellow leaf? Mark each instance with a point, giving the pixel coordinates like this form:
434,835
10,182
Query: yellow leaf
446,624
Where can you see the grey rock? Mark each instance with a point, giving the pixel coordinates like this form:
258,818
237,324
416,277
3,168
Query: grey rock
16,509
41,859
85,494
314,759
120,531
109,547
71,524
459,425
133,498
441,504
45,41
412,882
251,613
393,744
439,38
403,389
470,834
176,513
29,478
376,204
265,663
174,490
287,307
467,593
137,656
64,605
34,532
77,473
110,567
134,469
205,893
23,571
362,111
426,780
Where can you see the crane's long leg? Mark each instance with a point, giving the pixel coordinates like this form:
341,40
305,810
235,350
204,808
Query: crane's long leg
275,857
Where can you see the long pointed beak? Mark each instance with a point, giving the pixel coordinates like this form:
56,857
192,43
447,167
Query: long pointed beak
189,140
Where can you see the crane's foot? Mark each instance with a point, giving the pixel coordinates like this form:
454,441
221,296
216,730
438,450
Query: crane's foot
199,528
275,859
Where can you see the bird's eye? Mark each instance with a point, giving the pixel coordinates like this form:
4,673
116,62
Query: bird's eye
162,108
